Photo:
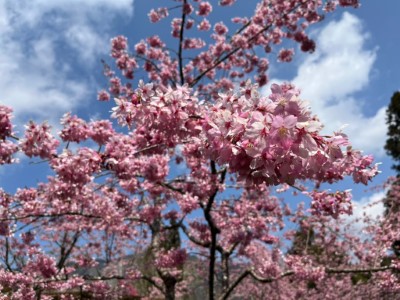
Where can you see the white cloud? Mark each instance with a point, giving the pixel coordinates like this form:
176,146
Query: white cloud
86,41
340,66
41,43
329,78
367,208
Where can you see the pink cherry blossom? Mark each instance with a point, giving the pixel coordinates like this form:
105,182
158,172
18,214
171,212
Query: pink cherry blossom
200,181
204,8
38,141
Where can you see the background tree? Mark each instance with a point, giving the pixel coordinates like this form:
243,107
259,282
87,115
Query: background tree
392,145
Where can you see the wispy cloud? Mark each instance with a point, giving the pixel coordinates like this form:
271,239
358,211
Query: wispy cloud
43,43
369,208
329,79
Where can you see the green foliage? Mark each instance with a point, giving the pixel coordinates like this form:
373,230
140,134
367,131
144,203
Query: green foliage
303,243
386,261
392,146
311,285
360,278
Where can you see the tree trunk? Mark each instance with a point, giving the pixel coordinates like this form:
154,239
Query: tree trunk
225,271
170,284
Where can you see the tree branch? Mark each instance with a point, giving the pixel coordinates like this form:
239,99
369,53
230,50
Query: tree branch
230,289
180,59
65,254
214,230
362,270
194,239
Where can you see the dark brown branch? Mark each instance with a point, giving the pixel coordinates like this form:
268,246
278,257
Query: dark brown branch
234,285
172,188
151,281
38,216
78,214
225,256
214,230
7,259
14,137
256,277
104,278
65,254
180,59
363,270
270,279
194,239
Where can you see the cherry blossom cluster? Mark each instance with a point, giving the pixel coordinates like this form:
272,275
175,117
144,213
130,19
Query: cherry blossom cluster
188,183
252,217
38,141
22,282
121,157
174,258
171,113
75,129
232,52
7,148
77,168
276,139
302,267
259,139
5,122
264,265
331,204
246,130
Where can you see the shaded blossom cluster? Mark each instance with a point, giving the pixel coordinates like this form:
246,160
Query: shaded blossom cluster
7,148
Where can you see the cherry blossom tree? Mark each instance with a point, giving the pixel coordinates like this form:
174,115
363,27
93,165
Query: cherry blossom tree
183,195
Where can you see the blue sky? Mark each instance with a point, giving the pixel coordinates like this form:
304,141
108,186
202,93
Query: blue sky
50,53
